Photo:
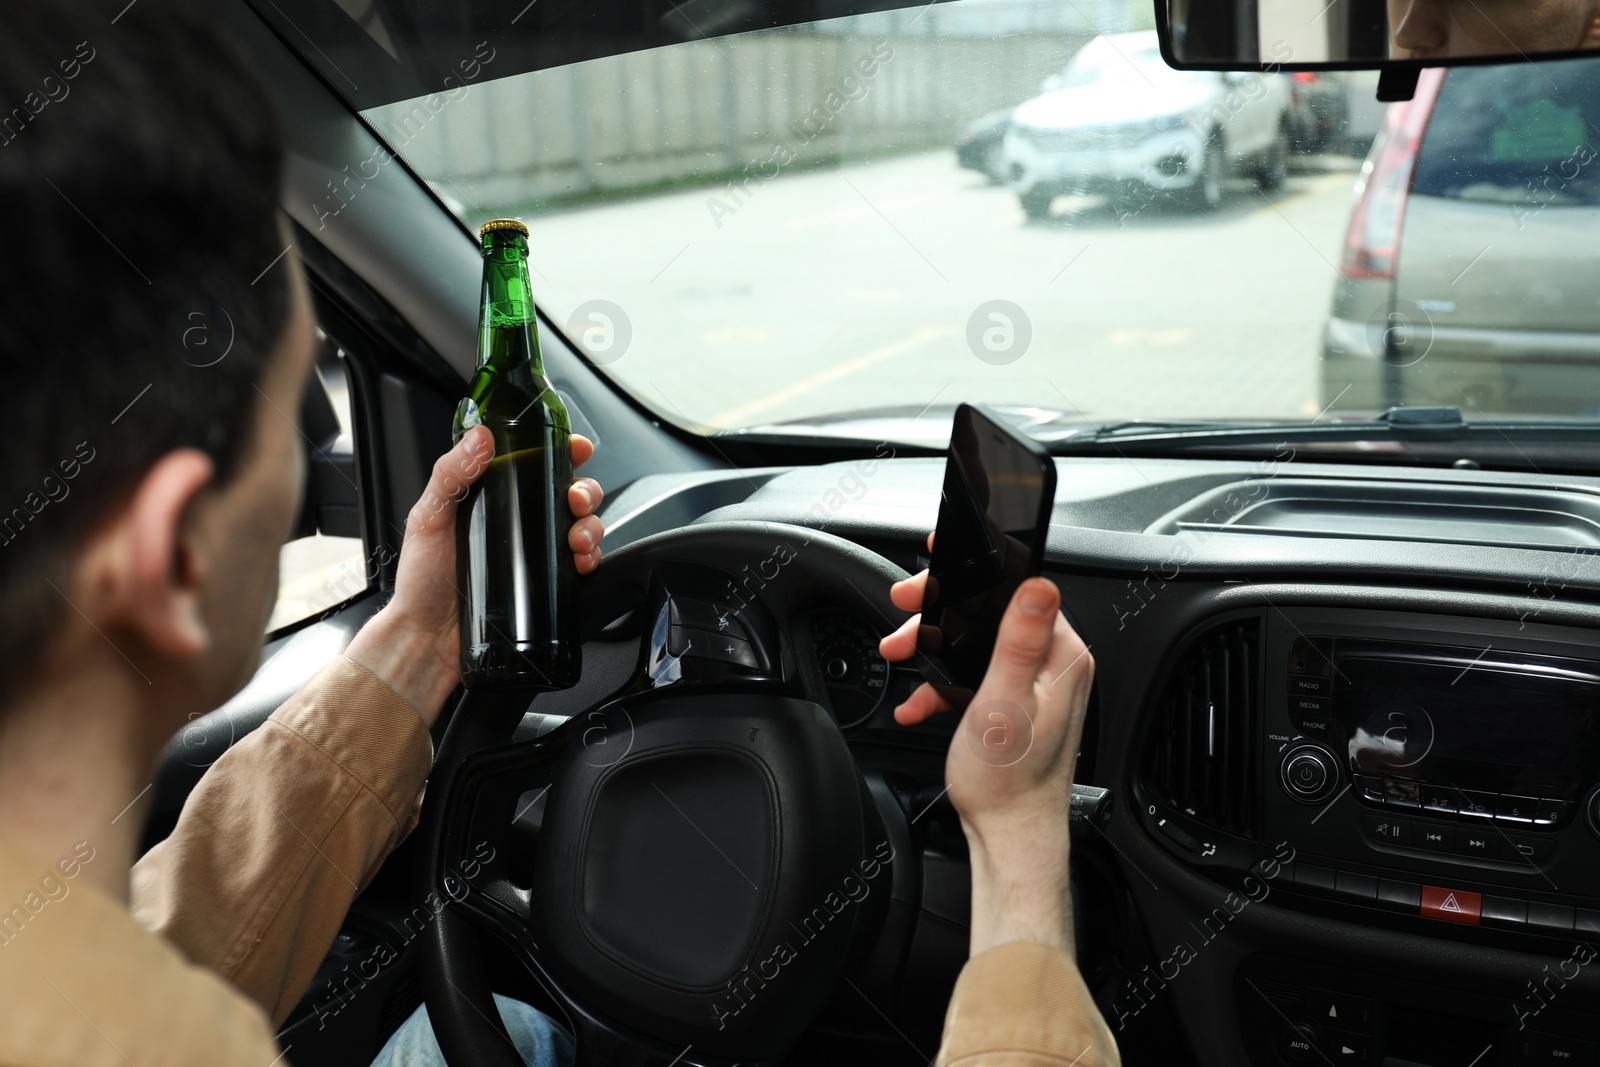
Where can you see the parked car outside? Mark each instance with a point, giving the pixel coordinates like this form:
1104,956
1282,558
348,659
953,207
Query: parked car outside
1319,112
1468,276
1126,124
980,146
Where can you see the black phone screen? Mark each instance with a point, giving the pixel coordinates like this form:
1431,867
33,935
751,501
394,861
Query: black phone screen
994,512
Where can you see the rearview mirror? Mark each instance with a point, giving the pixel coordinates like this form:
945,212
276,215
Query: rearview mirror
1313,34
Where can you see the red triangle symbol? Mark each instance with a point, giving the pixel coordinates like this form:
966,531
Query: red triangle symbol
1450,903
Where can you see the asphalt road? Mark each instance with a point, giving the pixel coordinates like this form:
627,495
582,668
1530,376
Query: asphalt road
835,290
838,290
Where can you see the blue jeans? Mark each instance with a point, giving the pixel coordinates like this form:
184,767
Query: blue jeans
538,1038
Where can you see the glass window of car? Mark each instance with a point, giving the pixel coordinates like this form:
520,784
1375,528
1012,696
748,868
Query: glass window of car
327,565
1499,134
779,231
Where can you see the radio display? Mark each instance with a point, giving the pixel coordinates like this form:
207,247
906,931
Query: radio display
1475,719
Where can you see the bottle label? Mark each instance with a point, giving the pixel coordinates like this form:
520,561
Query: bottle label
470,416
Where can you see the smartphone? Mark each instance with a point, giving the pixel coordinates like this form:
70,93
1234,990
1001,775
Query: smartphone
994,513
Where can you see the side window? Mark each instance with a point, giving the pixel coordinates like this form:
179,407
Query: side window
325,563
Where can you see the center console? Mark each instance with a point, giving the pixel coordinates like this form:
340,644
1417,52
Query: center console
1447,775
1428,774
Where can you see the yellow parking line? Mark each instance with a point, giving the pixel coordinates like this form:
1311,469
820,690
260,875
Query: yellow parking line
743,413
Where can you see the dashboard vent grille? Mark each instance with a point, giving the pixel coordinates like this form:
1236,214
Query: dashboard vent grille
1202,757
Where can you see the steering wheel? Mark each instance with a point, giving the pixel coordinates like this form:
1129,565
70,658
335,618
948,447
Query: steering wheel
709,864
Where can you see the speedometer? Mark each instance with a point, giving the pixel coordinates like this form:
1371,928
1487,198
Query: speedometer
856,676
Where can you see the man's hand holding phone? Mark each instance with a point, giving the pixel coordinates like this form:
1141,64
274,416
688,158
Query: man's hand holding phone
1010,764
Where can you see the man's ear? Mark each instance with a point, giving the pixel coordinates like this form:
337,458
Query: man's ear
163,567
1591,32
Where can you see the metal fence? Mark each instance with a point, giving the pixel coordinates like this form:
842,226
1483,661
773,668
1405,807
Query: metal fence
713,110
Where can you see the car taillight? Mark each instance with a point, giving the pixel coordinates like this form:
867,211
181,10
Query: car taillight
1303,77
1372,244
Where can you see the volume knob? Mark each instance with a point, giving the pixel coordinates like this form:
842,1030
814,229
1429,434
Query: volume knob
1310,774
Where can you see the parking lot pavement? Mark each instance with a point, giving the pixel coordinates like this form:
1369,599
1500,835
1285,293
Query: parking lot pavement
849,288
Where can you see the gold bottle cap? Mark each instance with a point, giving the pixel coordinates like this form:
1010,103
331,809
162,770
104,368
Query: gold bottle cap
502,224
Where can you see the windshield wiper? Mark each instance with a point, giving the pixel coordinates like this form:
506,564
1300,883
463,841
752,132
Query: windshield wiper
1402,424
1144,427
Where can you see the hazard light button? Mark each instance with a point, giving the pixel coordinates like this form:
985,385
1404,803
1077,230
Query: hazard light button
1451,905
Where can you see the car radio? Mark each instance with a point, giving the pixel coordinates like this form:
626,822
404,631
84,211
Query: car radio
1417,766
1479,737
1439,767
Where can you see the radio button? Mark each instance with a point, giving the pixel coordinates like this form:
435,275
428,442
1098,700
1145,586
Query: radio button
1504,911
1309,774
1389,830
1305,657
1526,851
1515,810
1312,716
1431,836
1451,905
1441,798
1400,793
1478,805
1471,841
1550,811
1300,685
1369,788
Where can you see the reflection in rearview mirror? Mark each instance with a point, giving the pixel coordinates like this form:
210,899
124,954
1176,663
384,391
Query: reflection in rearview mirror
1251,32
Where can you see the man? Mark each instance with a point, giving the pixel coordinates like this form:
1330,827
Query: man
147,488
139,183
1434,29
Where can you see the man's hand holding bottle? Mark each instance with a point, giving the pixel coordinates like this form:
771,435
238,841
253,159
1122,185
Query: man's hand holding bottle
412,644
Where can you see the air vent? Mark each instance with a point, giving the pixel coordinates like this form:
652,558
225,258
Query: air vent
1202,755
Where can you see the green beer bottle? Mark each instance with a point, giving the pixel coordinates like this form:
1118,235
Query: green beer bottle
514,569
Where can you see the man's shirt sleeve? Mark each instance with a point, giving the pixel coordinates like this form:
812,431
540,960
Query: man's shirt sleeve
284,830
1024,1005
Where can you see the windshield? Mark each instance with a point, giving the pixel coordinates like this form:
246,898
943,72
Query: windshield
1017,202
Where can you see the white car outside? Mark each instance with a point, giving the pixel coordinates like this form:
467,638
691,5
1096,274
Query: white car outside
1119,120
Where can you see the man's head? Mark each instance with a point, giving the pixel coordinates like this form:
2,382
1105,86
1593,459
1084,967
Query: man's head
152,351
1426,29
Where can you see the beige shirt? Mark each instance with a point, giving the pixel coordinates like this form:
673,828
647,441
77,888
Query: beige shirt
232,914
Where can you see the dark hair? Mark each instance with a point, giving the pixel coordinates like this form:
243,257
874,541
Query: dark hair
140,170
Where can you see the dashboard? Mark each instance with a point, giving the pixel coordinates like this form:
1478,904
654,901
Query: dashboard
1352,718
